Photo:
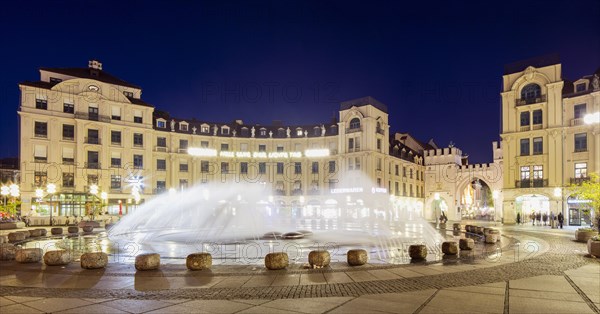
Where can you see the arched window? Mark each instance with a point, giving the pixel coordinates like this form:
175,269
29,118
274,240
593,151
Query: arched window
280,132
355,123
316,131
531,91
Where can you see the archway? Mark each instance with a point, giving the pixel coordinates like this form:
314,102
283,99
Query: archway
439,206
530,204
477,201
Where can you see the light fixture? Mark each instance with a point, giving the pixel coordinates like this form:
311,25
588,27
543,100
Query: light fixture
436,196
557,192
591,118
94,189
51,188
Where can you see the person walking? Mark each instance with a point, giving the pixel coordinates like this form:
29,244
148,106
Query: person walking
538,217
518,218
545,218
532,217
561,218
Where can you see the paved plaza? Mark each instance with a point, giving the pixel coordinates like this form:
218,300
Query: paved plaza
534,270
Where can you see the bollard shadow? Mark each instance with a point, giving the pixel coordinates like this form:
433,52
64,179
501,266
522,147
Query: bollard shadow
148,280
85,278
199,278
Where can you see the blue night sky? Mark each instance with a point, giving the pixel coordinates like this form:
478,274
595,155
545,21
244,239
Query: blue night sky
437,66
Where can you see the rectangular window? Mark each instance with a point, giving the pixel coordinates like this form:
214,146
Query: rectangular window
68,156
224,147
538,172
410,173
525,118
404,171
204,166
204,144
378,168
183,184
262,167
138,161
92,179
404,189
93,137
279,168
68,180
350,163
115,113
93,113
279,148
538,146
161,141
183,127
161,124
92,160
204,129
40,179
537,117
351,143
244,167
115,182
138,140
357,163
243,147
161,186
115,137
396,189
331,166
315,167
41,104
41,129
128,94
161,165
580,142
579,111
68,108
525,172
40,153
580,87
581,170
183,167
378,144
137,116
115,162
397,170
525,147
297,168
68,132
262,148
55,80
224,167
138,120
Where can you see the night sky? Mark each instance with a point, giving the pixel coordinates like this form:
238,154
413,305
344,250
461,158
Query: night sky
437,66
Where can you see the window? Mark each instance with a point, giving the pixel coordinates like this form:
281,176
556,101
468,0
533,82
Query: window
378,164
115,137
115,182
297,187
183,127
357,163
161,165
538,146
138,139
55,80
525,118
315,167
404,189
183,144
396,189
525,172
68,132
92,160
92,179
183,184
138,161
262,148
224,147
279,187
279,148
93,137
580,87
93,113
204,129
355,123
350,163
40,179
351,143
280,132
537,117
115,113
41,129
379,144
417,172
580,142
538,176
244,167
204,144
262,167
581,170
331,166
68,156
204,166
299,132
161,141
279,168
183,167
41,104
115,162
410,173
128,94
68,180
68,107
531,91
243,147
225,130
40,153
404,171
263,132
297,168
137,116
161,186
224,167
525,147
579,111
316,131
161,124
244,132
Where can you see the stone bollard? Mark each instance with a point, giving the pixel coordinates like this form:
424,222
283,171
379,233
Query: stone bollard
35,233
450,248
319,258
150,261
33,255
491,238
480,230
3,239
456,226
25,233
417,251
56,231
88,229
43,231
16,237
73,229
274,261
468,228
57,258
198,261
357,257
7,252
466,244
94,260
442,225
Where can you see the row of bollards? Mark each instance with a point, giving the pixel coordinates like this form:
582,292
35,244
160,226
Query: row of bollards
19,236
92,260
490,235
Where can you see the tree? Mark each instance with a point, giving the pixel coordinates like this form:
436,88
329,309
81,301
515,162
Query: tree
590,190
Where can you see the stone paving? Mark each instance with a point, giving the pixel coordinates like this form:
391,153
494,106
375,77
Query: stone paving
538,270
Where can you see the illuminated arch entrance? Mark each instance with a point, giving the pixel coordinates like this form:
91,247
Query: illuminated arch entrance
527,204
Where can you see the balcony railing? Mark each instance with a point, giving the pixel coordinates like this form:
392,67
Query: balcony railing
529,101
68,138
182,150
160,149
531,183
92,165
577,121
579,180
40,135
537,126
524,128
93,140
297,192
352,130
92,117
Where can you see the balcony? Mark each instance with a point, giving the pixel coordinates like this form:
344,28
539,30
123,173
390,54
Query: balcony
162,149
92,117
68,138
68,161
138,145
525,128
537,126
93,140
578,181
279,192
529,101
115,189
577,121
353,130
92,165
529,183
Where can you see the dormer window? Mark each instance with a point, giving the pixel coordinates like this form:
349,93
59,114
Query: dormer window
244,131
263,132
580,87
299,132
531,91
204,128
225,130
280,132
317,131
160,123
128,94
183,126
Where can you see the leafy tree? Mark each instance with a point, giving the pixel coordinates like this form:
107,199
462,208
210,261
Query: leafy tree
590,190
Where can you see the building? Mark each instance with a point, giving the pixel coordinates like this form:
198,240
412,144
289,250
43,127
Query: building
9,171
546,144
91,135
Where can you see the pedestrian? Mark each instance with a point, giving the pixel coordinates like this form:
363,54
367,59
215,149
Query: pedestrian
545,218
532,217
560,220
518,218
538,217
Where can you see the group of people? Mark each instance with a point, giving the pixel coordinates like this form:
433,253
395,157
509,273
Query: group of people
543,219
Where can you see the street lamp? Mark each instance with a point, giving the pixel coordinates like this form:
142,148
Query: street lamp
93,191
592,118
51,189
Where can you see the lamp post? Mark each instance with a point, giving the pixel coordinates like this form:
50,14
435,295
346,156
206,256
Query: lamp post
93,191
51,189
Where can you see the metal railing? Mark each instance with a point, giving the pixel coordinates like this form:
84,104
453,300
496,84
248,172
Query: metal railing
531,183
579,180
577,121
160,149
529,101
352,130
92,117
93,140
92,165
